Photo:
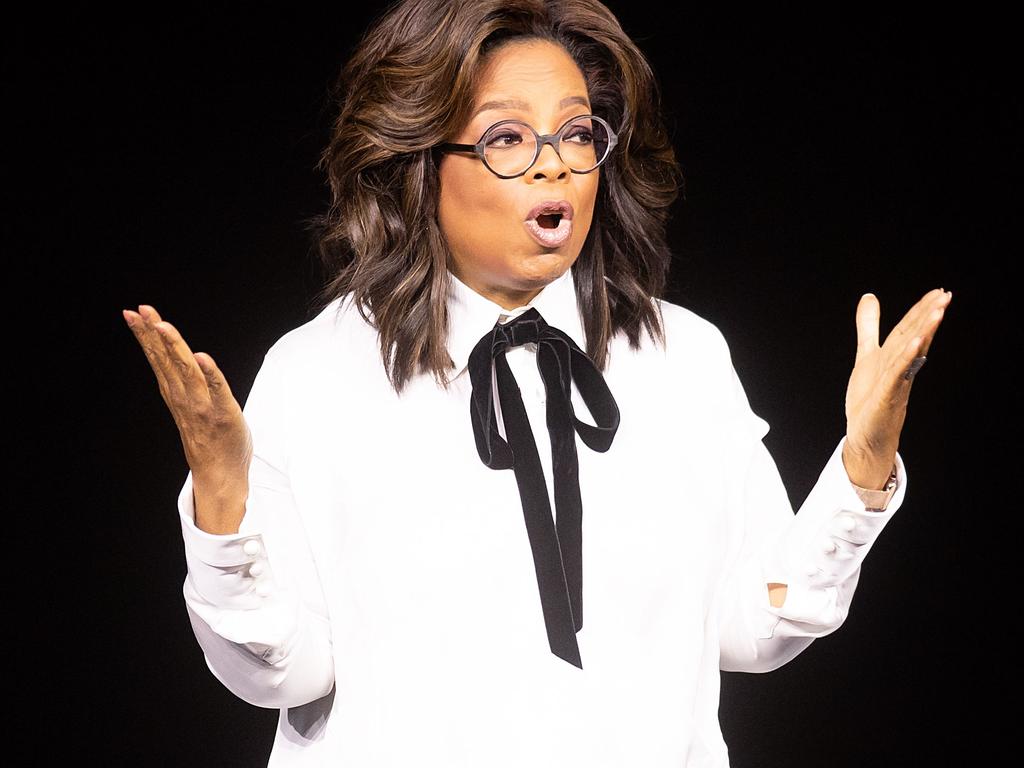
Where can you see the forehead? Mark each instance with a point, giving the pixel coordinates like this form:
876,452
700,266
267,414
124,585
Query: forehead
529,70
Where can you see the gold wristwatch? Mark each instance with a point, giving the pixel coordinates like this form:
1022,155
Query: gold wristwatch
877,500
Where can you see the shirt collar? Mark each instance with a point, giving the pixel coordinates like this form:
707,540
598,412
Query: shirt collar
471,315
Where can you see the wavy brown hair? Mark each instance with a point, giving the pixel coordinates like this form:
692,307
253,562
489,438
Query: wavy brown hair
409,86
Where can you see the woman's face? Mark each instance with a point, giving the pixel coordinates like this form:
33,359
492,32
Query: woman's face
484,217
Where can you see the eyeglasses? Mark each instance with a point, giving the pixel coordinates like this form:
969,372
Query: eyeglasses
509,148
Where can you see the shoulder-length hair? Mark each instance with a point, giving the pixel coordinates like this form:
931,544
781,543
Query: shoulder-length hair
409,86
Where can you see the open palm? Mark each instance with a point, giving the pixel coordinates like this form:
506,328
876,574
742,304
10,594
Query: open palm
878,390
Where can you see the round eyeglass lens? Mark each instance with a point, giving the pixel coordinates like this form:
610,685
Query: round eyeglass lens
509,148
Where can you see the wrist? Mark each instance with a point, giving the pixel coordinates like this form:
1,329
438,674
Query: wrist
219,503
868,470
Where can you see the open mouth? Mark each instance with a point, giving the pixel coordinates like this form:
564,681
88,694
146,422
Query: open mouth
549,220
550,230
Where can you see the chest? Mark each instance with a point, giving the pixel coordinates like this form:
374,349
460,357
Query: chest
405,519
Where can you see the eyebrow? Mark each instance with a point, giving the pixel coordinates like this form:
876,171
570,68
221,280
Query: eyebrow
517,104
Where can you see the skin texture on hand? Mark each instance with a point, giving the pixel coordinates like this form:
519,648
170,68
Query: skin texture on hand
216,439
878,392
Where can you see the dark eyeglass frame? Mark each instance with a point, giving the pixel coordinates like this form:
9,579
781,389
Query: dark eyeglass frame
553,139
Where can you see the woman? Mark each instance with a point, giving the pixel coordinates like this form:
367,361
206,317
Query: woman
357,558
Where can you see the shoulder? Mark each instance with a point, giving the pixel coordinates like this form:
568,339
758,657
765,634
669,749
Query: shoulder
692,365
334,353
336,327
699,356
689,335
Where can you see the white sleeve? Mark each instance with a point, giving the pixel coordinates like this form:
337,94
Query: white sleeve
254,597
817,552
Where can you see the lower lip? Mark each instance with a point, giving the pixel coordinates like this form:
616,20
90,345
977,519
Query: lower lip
550,238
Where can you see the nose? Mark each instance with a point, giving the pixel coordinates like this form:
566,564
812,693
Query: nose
549,164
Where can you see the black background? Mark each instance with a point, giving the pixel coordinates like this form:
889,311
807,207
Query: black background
171,163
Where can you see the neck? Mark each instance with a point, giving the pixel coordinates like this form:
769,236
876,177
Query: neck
503,296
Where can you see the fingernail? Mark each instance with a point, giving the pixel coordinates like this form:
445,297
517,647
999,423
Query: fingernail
127,317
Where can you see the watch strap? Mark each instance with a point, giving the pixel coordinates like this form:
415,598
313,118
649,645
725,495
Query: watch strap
876,500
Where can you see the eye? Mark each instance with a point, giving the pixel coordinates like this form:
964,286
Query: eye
579,135
504,139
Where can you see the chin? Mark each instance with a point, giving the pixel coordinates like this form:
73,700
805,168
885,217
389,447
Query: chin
543,268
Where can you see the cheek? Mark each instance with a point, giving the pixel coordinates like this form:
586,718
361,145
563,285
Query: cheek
460,185
588,198
474,210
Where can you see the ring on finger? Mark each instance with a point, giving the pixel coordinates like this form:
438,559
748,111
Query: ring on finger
915,366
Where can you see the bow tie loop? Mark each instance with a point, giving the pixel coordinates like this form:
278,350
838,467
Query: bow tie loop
524,329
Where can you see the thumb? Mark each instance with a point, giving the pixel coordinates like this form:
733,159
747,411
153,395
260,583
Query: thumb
868,313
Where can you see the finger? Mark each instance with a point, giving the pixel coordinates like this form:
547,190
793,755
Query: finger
217,384
931,324
926,318
158,351
907,362
150,342
149,313
188,376
910,323
897,384
868,313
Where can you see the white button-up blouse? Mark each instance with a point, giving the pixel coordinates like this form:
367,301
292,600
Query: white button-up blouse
381,590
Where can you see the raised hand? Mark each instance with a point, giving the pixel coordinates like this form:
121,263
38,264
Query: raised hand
879,386
216,439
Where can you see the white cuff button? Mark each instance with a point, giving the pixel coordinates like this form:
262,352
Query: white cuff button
251,547
256,569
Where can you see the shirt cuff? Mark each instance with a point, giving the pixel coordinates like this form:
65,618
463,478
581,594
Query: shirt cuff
227,570
819,556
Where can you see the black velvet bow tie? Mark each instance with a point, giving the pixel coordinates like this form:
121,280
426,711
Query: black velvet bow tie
557,553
